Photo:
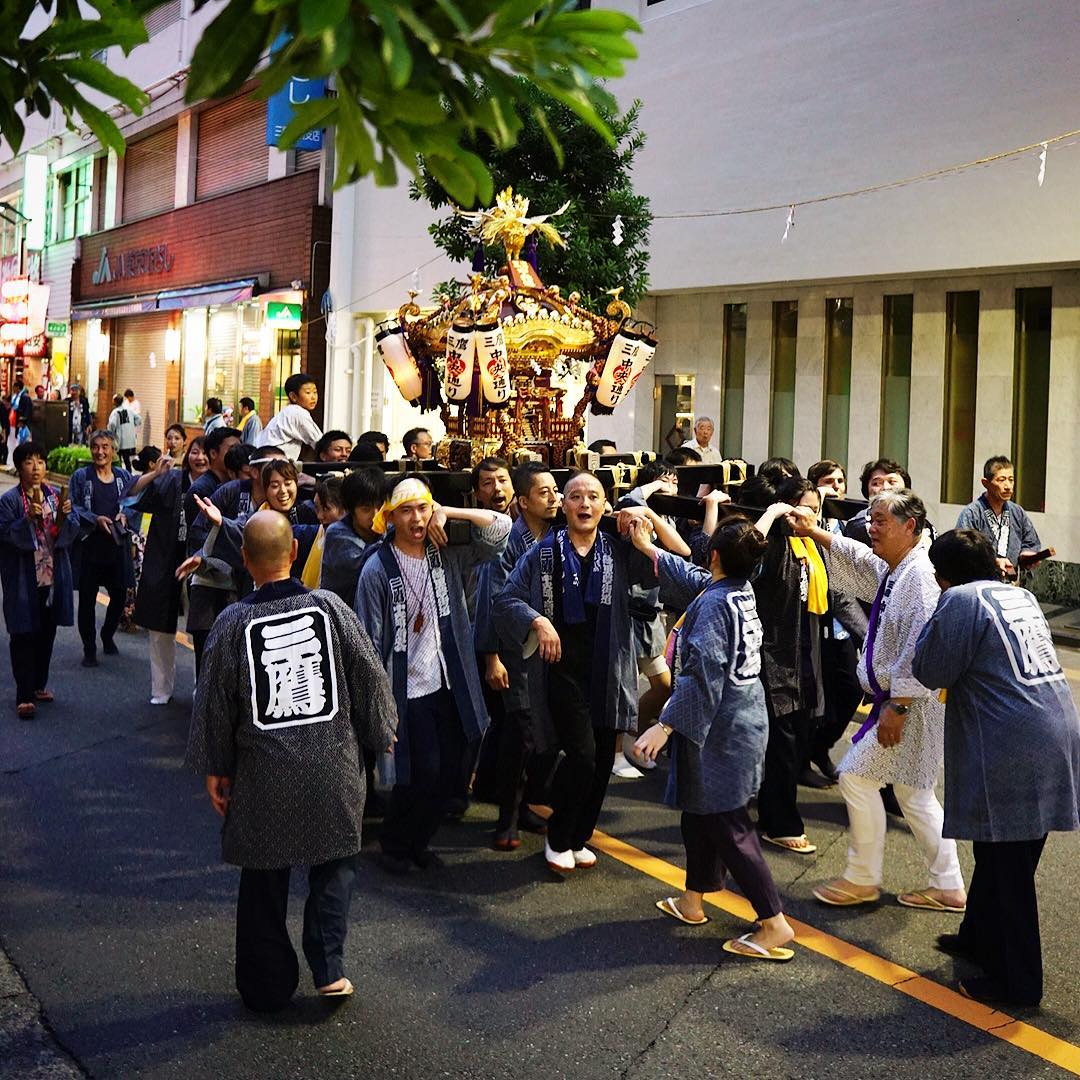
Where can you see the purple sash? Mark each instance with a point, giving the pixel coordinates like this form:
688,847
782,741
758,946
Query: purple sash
878,696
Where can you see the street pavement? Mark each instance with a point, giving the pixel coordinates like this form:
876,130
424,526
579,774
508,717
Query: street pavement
117,915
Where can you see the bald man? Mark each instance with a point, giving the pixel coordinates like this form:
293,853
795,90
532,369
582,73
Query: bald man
290,689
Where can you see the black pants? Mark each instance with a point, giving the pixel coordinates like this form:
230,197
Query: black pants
126,456
485,780
437,747
92,578
521,774
267,972
1001,924
843,693
211,603
31,653
718,844
581,780
789,741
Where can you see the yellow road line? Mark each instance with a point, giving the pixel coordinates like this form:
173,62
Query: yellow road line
1034,1040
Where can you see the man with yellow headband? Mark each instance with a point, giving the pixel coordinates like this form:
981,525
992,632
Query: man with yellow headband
411,599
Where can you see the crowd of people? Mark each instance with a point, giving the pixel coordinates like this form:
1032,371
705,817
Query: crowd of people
351,625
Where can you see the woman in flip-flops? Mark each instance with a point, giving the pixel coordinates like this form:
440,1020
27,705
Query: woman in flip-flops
902,741
718,726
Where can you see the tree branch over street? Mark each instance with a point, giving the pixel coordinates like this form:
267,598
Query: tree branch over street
413,77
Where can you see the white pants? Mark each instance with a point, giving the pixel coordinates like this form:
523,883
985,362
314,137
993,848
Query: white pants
162,663
866,832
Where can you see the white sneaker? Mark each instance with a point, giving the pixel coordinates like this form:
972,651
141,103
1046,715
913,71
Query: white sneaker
160,700
584,858
562,862
623,769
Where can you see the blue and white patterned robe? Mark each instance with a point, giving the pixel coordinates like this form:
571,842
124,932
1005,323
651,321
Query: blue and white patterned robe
1012,737
912,597
717,704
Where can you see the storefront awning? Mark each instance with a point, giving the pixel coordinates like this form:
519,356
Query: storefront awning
230,292
110,309
225,292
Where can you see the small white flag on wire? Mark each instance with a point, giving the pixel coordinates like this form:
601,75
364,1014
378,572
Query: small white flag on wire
616,231
1042,164
789,224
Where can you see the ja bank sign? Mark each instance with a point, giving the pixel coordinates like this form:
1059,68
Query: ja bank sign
279,108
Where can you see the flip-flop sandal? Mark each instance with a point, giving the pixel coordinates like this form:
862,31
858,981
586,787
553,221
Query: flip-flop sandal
778,954
26,710
850,899
925,902
671,910
44,696
802,845
343,991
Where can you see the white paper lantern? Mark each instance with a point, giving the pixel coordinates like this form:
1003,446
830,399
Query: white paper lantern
618,368
494,363
460,360
399,360
645,352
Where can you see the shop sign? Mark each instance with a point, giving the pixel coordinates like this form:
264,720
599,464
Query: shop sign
57,328
281,316
34,348
279,106
138,262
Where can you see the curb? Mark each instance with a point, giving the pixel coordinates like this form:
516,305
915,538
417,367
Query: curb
28,1047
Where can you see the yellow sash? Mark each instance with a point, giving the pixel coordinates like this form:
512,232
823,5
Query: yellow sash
817,600
312,573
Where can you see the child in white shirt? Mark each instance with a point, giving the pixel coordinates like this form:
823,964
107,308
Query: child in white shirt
293,429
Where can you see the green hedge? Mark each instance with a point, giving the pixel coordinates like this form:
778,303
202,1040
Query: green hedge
64,460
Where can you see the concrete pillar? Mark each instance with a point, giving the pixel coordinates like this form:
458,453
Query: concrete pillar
993,398
342,383
928,397
809,376
278,163
758,381
186,154
864,431
1057,527
113,191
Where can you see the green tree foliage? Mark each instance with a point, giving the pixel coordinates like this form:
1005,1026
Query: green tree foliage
49,71
590,173
413,77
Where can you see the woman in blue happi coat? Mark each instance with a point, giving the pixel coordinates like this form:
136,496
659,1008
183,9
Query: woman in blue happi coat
718,727
1012,757
36,534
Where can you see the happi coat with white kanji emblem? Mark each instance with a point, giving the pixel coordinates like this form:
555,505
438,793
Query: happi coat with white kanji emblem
290,689
1012,737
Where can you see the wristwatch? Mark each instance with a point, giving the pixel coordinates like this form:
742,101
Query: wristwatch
900,710
667,729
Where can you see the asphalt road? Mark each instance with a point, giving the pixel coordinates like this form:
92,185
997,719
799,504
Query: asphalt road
118,914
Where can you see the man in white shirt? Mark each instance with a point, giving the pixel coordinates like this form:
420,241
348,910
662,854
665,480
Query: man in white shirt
133,404
703,433
293,429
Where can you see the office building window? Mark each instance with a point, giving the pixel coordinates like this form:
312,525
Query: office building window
837,408
72,209
10,224
163,16
1031,396
896,377
731,418
961,377
785,331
